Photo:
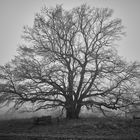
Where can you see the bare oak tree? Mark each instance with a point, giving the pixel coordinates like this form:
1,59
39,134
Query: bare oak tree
69,61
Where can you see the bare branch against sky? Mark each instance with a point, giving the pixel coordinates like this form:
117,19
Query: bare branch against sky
14,14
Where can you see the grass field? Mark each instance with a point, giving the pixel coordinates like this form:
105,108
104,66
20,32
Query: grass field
84,128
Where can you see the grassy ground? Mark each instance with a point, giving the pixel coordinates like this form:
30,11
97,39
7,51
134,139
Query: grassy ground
84,128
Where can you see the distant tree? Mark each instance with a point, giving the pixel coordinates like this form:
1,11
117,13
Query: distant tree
69,61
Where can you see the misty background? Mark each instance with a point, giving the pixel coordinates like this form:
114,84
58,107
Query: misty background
14,14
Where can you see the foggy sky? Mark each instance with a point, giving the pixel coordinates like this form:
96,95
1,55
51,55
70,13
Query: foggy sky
14,14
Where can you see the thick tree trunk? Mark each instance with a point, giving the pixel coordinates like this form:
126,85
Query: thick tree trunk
73,113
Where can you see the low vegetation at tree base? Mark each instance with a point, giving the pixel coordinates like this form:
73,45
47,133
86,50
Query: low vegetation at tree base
83,128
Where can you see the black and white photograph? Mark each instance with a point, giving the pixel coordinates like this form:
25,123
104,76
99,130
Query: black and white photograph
69,70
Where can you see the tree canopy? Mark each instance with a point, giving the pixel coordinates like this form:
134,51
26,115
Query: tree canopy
69,61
